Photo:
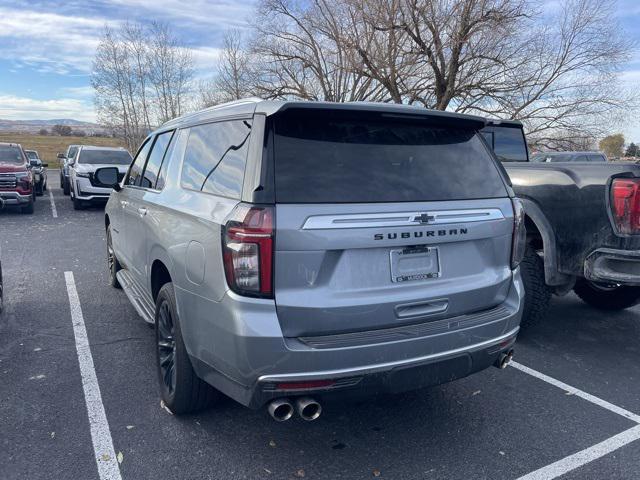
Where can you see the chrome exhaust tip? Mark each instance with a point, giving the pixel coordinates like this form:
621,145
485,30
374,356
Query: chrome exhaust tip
280,409
308,408
504,359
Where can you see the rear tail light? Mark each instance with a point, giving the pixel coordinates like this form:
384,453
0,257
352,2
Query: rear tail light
247,242
519,243
625,205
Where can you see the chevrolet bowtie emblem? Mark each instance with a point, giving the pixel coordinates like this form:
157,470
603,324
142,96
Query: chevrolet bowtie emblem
424,218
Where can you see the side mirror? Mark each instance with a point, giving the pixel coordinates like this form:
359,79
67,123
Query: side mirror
71,161
45,165
108,176
61,155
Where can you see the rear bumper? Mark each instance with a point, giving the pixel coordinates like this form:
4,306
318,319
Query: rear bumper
15,198
250,359
613,266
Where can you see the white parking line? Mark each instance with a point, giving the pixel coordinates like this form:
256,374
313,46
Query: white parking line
590,454
54,212
585,456
100,434
578,393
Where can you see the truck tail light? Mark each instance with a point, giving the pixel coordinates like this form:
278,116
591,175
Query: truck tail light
247,244
625,205
519,243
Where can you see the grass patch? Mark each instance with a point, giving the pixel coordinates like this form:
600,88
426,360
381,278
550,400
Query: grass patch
48,146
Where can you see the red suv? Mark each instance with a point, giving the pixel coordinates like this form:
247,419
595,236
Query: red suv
16,179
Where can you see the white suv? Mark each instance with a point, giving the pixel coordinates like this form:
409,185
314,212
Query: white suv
84,187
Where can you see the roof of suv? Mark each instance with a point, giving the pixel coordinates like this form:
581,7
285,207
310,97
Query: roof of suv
9,144
251,106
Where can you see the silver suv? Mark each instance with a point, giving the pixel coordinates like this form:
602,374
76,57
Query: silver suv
84,188
287,251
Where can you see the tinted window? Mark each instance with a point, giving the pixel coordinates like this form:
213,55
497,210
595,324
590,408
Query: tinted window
31,155
597,158
508,143
10,154
215,158
104,157
135,171
155,160
335,157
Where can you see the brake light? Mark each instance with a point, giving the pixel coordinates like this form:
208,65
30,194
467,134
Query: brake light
247,243
625,205
519,242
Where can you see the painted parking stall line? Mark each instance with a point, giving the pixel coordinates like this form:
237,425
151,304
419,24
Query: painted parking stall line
578,393
54,211
588,455
106,460
585,456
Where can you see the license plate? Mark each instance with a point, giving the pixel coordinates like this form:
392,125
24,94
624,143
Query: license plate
416,263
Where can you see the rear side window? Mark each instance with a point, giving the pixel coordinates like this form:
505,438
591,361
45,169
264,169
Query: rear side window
332,157
155,160
508,143
597,158
215,158
135,171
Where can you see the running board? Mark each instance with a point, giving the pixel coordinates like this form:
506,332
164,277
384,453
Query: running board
137,296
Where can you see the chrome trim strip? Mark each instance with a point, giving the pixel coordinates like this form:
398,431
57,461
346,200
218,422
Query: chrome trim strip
400,219
285,377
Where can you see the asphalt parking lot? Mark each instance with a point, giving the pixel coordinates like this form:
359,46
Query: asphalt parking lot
569,408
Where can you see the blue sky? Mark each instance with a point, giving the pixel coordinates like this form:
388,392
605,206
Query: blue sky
47,46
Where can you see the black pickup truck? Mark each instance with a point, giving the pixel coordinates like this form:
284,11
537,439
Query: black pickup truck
583,225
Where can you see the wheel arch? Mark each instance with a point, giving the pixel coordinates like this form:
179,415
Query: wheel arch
541,235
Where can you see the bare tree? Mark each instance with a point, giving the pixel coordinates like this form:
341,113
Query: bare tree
553,66
170,71
141,76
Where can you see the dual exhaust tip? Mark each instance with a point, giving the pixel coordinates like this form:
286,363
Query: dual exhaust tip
504,359
281,409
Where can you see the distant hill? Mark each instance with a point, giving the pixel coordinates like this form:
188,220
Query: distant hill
33,126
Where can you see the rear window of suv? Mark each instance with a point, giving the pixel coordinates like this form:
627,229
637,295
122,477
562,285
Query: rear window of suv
330,157
105,157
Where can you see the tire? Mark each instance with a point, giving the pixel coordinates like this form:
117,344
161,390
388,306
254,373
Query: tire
112,262
607,298
28,208
181,390
65,187
40,189
44,187
537,294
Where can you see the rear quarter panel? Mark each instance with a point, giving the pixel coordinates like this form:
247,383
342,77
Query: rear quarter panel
574,199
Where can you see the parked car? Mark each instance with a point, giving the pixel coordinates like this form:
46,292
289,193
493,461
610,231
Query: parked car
583,225
555,157
288,251
85,188
64,158
16,180
39,171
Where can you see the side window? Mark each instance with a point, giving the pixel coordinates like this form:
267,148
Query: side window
72,152
509,144
176,147
135,170
215,158
155,160
597,158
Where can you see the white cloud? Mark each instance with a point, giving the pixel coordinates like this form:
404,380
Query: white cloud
24,108
49,42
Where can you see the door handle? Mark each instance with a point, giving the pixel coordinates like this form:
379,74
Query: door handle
142,211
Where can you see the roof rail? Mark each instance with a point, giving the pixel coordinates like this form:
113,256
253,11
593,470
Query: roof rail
233,103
